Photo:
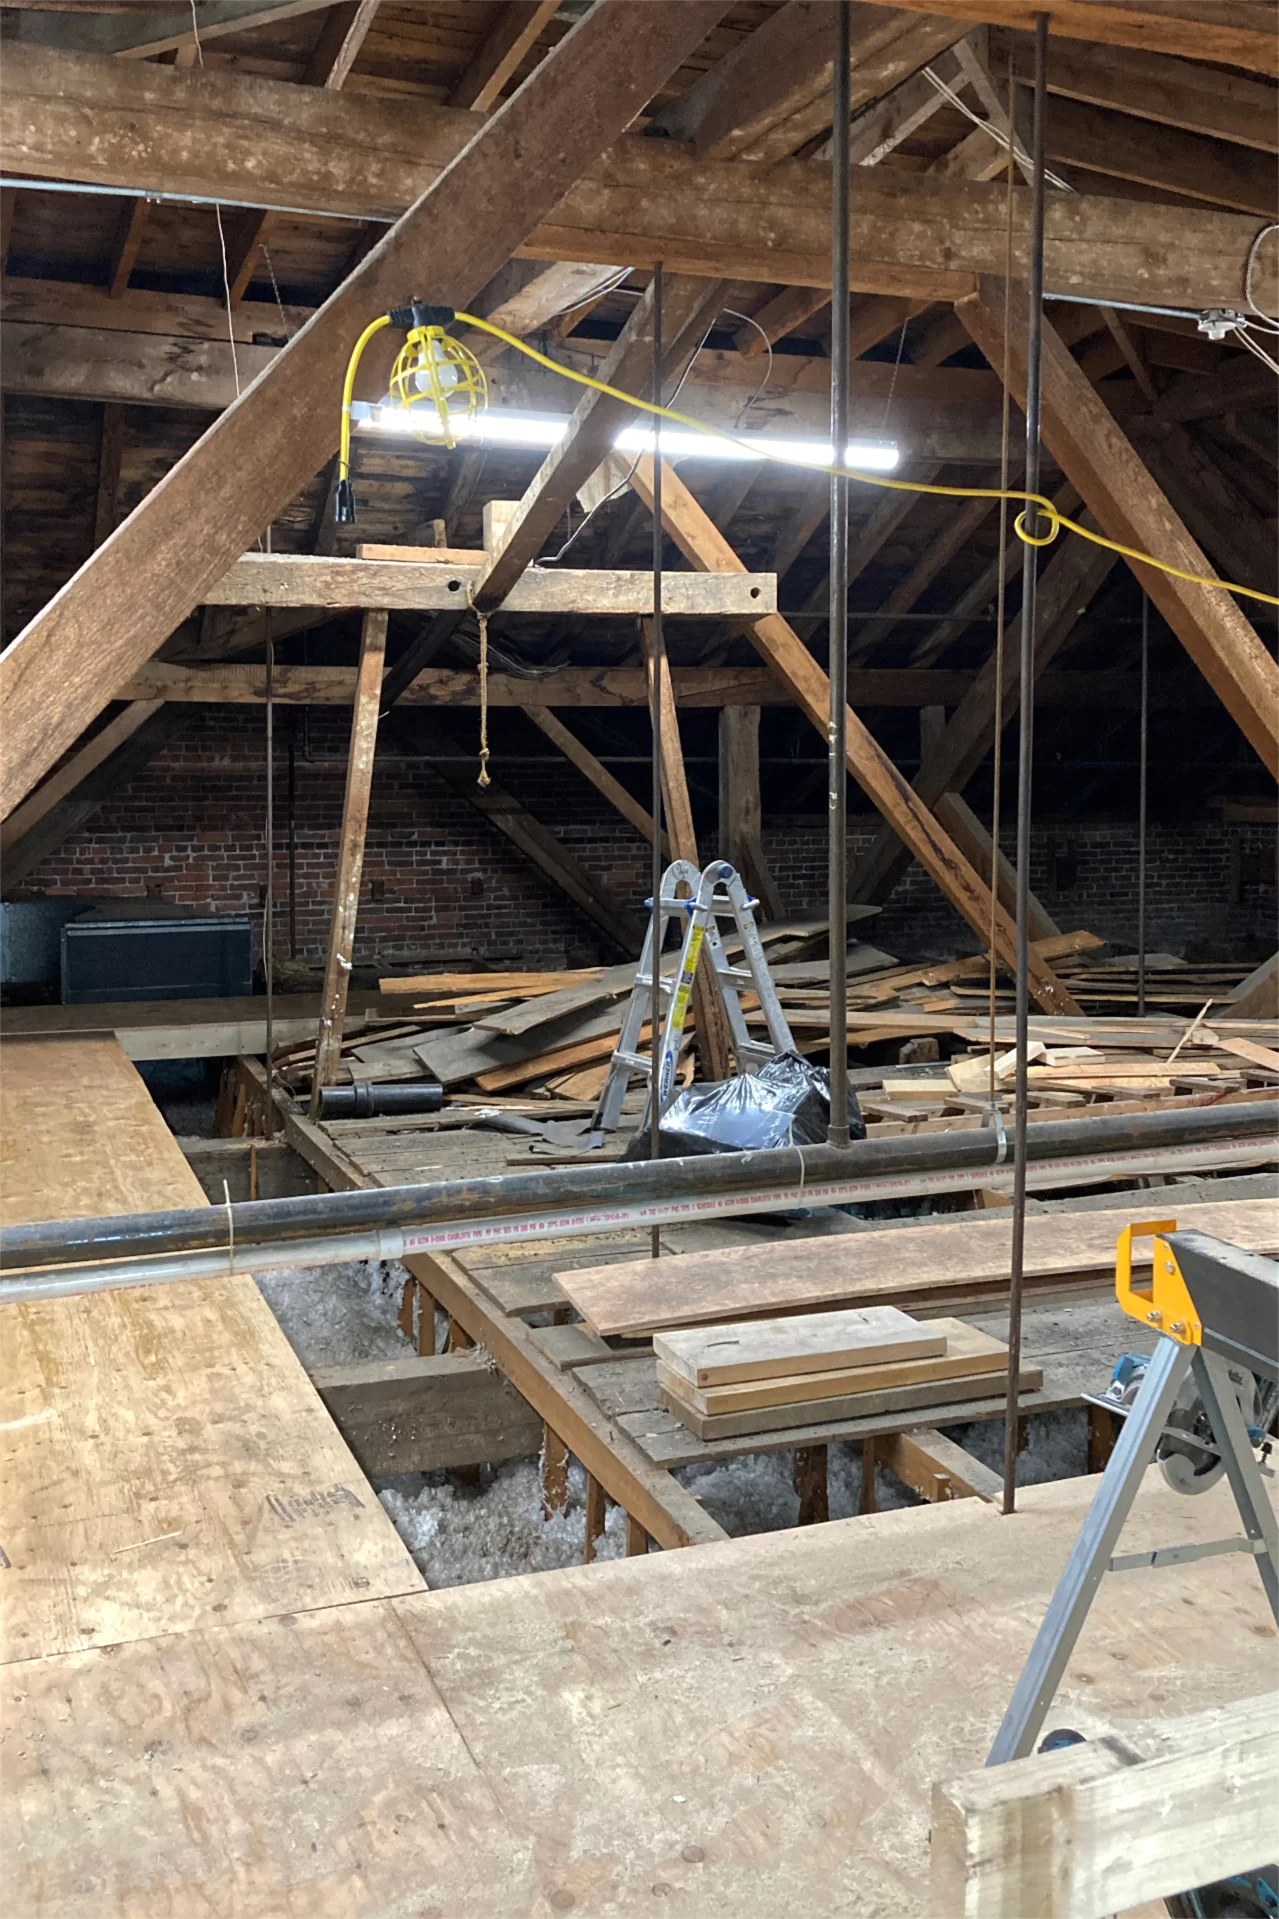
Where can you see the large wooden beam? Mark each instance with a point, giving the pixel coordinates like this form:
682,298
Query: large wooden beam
334,54
1239,33
596,772
688,308
697,538
713,1044
741,819
618,686
774,91
1175,93
427,1415
1082,135
502,52
140,33
350,865
122,605
240,138
297,579
539,846
61,785
79,798
1070,579
1113,1823
1098,457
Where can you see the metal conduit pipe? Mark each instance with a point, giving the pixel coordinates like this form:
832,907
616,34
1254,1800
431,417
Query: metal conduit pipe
806,1176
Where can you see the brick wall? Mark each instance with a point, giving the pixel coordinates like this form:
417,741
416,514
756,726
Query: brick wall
441,884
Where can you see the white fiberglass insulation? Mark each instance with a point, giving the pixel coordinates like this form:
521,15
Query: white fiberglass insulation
458,1534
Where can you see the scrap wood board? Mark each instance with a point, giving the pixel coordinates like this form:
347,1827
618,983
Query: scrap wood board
866,1403
804,1343
592,1732
166,1460
962,1257
959,1352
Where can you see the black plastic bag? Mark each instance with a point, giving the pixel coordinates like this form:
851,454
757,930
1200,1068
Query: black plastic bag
787,1103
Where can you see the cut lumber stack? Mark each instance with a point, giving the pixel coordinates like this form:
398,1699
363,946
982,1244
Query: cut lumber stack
766,1375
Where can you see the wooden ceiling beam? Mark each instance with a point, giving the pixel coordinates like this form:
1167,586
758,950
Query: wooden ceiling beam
510,41
775,90
334,54
1101,141
1096,455
1239,33
241,138
615,687
1069,581
140,33
688,308
1154,86
704,547
125,601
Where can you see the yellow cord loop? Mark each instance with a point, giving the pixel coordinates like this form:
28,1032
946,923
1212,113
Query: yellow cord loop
755,444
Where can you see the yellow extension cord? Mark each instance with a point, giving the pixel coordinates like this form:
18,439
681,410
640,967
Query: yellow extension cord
755,444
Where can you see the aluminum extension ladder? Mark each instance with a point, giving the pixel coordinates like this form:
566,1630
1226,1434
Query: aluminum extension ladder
714,894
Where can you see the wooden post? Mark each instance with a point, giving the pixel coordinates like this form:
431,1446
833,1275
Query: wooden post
355,820
713,1044
636,1538
596,1515
868,1502
1101,1437
740,812
812,1486
554,1473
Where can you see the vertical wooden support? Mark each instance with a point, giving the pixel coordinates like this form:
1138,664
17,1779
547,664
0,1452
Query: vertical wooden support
636,1538
417,1317
1101,1437
708,1013
868,1503
740,814
355,820
459,1338
812,1486
554,1473
596,1515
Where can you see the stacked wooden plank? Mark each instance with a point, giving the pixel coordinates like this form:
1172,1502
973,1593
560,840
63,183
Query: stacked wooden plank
722,1381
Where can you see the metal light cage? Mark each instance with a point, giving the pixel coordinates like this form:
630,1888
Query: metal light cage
438,382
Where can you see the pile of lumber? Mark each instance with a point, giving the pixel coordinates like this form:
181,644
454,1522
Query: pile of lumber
757,1376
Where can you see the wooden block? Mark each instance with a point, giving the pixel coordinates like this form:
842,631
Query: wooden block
899,1399
958,1352
801,1343
568,1347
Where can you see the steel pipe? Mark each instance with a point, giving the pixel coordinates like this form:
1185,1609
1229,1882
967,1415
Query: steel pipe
727,1183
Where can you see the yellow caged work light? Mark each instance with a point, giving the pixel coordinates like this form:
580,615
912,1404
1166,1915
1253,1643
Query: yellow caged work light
436,379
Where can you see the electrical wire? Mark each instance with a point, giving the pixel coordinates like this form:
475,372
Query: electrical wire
1047,511
1011,146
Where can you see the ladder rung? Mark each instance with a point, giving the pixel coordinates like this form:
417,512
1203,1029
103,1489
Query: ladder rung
739,973
636,1061
646,979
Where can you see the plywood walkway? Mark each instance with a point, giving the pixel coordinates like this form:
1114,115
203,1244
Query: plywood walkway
165,1461
748,1729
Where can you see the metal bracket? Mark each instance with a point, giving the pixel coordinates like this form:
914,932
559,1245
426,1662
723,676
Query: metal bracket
1182,1555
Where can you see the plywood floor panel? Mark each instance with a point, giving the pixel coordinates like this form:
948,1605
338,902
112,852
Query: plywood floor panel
751,1729
296,1768
165,1461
